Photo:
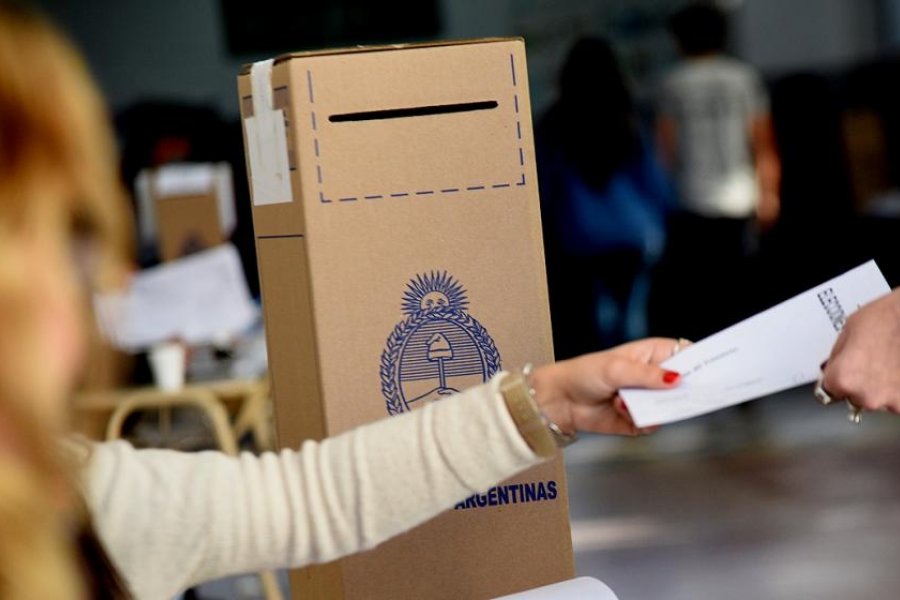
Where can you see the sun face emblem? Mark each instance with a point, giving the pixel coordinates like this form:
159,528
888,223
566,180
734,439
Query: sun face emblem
434,301
439,349
435,291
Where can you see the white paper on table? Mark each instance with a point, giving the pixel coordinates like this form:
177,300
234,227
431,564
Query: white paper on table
579,588
199,299
777,349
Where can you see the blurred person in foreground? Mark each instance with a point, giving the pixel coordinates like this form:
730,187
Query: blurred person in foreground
715,132
59,200
80,520
604,200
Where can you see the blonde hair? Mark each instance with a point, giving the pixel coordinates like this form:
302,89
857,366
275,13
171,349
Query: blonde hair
58,175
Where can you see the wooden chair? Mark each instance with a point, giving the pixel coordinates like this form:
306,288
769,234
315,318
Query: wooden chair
253,414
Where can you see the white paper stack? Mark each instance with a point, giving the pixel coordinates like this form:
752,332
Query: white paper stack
199,299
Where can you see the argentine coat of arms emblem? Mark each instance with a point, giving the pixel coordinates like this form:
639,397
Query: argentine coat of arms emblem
438,350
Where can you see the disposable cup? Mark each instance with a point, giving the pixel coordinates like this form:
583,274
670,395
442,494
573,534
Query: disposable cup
167,363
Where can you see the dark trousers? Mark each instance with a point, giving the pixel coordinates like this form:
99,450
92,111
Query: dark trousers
576,285
707,279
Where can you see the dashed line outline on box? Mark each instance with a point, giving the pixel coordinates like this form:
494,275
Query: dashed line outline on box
320,178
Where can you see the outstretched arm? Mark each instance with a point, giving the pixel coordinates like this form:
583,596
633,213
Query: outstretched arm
768,170
171,519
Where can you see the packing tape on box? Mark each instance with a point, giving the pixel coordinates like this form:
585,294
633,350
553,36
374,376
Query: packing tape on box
270,175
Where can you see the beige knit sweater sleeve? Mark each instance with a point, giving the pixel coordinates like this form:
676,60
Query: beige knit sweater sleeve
170,519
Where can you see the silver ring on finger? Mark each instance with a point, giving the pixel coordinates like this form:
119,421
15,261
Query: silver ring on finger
854,412
681,343
821,394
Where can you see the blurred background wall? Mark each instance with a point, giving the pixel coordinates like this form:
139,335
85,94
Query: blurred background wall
830,66
179,50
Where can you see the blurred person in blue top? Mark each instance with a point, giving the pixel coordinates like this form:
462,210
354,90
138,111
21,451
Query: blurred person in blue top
604,198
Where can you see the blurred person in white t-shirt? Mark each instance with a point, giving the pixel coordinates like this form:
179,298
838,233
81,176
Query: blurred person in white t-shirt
715,134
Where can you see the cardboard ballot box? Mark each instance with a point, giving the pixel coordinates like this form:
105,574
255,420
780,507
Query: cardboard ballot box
399,240
185,207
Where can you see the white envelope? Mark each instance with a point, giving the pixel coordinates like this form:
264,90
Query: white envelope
777,349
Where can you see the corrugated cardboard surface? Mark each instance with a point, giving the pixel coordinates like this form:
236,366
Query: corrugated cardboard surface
187,224
445,198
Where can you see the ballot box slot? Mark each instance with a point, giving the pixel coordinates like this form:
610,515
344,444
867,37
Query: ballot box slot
413,111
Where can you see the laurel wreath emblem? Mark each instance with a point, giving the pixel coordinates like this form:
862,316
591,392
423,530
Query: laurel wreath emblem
390,358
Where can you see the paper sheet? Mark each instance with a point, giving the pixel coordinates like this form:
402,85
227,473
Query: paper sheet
202,298
573,589
777,349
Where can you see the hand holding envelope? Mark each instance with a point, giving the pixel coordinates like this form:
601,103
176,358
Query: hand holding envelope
864,365
579,394
777,349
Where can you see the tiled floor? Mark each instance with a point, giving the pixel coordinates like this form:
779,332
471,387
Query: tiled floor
785,500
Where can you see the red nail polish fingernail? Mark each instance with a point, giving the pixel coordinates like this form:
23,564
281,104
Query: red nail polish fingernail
671,376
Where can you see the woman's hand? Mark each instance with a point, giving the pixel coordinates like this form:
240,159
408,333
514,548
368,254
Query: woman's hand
581,394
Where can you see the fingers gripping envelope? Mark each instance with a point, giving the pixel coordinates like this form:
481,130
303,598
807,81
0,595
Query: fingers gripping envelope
777,349
399,240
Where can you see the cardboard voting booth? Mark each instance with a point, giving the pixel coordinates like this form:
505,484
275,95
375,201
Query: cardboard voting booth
395,207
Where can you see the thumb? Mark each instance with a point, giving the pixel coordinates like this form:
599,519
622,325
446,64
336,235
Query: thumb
625,373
